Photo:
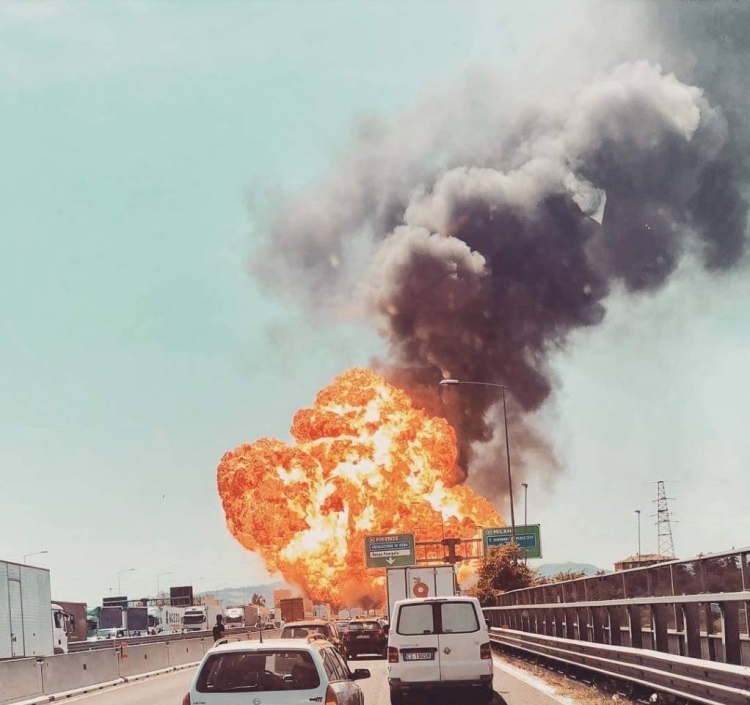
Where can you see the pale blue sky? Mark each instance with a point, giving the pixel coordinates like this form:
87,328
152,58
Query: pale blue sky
136,348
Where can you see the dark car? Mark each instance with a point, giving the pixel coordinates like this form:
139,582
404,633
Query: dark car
365,636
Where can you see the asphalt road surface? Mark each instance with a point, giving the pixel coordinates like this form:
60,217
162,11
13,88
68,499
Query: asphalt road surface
170,689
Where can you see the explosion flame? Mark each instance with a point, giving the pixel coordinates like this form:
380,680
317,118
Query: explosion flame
365,461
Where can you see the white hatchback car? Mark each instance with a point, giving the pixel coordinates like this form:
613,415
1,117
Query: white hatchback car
439,643
275,672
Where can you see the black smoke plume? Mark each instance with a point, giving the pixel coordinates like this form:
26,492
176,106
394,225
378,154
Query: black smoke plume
479,236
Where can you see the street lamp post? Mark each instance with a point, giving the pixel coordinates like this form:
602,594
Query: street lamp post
119,573
638,520
36,553
160,575
450,382
525,486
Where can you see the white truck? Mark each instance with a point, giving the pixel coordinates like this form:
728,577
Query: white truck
165,619
322,610
419,581
30,624
201,617
234,618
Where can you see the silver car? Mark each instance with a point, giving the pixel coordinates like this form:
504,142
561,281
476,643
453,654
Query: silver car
275,672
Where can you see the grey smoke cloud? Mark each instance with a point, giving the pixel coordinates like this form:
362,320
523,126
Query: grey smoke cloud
478,251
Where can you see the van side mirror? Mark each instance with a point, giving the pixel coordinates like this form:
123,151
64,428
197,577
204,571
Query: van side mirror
487,623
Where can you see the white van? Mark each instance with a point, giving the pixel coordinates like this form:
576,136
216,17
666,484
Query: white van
439,643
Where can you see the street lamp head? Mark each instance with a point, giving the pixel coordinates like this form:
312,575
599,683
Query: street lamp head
446,382
525,484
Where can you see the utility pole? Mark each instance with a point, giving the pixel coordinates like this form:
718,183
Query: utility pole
510,477
638,519
525,486
664,522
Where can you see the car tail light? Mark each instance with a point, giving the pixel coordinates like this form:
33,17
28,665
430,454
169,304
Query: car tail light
485,652
379,632
331,698
186,699
392,654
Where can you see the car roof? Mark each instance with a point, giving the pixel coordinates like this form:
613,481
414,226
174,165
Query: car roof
302,622
281,644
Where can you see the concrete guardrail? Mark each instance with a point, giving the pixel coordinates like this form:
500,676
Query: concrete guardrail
29,679
20,678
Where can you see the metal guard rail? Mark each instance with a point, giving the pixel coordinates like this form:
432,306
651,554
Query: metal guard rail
701,681
78,646
713,627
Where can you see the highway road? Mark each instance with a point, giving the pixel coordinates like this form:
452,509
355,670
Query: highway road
170,689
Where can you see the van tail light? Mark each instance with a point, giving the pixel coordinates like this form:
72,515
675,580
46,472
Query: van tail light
392,654
485,652
331,698
186,699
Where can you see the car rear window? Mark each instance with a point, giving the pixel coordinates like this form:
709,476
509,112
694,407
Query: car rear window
364,626
301,631
416,619
258,671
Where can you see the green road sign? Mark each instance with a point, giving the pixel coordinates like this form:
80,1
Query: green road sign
527,537
390,550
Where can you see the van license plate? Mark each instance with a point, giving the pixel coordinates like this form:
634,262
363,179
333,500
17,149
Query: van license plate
362,636
419,656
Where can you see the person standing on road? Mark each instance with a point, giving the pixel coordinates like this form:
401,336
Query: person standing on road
218,629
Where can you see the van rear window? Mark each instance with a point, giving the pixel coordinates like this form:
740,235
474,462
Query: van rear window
416,619
458,618
437,618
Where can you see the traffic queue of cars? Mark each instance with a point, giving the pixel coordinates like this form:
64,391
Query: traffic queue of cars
433,644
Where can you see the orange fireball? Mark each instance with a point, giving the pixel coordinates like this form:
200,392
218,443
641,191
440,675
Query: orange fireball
364,462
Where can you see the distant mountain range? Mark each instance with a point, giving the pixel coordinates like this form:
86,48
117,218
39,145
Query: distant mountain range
243,595
547,570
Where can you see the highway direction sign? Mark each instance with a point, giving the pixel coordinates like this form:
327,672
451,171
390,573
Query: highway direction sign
390,550
527,537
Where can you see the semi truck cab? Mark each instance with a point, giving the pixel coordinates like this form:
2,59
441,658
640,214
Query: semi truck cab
61,626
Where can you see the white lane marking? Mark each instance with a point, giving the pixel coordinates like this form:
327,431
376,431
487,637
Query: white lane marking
94,692
533,681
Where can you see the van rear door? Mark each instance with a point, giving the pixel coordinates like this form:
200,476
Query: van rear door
461,635
414,634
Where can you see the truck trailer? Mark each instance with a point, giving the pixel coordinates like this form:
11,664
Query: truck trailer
419,581
76,619
165,619
257,615
30,624
294,609
322,610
